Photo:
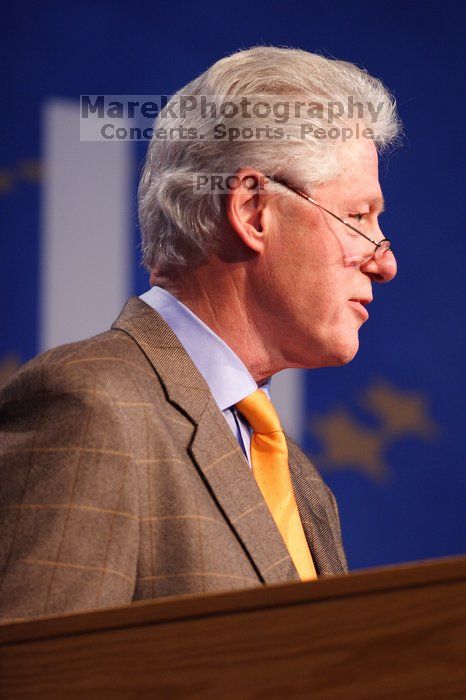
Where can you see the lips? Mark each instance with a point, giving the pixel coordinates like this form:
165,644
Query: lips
359,305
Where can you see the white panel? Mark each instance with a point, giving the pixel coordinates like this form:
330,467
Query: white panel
287,393
86,229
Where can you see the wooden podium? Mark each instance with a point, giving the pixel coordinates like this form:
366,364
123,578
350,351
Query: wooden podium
397,632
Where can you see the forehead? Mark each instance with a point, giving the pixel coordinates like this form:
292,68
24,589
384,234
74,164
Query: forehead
359,153
359,176
360,168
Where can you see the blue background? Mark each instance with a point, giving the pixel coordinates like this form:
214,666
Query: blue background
415,338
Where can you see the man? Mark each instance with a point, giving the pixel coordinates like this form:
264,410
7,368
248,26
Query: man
149,461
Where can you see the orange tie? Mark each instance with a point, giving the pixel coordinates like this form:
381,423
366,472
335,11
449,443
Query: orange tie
269,456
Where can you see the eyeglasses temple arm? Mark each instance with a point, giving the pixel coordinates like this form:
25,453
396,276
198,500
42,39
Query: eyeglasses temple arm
335,216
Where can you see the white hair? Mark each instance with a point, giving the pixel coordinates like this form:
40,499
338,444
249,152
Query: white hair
181,228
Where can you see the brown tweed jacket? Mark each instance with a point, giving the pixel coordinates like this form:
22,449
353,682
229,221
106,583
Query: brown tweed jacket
121,480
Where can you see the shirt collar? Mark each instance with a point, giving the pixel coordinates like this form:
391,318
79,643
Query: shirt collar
228,378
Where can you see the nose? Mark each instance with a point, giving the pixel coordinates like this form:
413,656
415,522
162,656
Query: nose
382,269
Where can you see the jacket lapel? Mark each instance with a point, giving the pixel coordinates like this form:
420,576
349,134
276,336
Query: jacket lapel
185,386
227,473
213,448
318,516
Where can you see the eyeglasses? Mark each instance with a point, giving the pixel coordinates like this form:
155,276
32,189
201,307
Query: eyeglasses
381,247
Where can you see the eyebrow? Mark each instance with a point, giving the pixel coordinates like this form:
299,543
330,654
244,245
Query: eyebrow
378,202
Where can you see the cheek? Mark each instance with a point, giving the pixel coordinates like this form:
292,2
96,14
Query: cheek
332,325
328,290
305,269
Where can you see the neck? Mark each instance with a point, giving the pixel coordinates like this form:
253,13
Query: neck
226,300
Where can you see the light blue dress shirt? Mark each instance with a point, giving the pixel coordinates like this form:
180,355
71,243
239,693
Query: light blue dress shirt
227,377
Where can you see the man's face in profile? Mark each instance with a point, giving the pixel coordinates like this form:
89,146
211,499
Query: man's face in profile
319,293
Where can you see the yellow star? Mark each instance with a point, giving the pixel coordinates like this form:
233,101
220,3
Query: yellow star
30,170
348,443
400,412
7,180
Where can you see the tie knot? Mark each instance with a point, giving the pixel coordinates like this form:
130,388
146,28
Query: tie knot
260,413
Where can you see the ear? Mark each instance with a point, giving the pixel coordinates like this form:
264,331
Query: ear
245,205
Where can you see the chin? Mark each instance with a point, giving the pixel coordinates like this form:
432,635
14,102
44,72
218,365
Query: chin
341,354
329,357
345,359
331,350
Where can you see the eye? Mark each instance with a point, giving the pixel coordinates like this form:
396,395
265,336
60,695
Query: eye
359,217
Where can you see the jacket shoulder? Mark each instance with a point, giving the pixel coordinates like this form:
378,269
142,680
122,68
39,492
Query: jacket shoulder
110,363
67,460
